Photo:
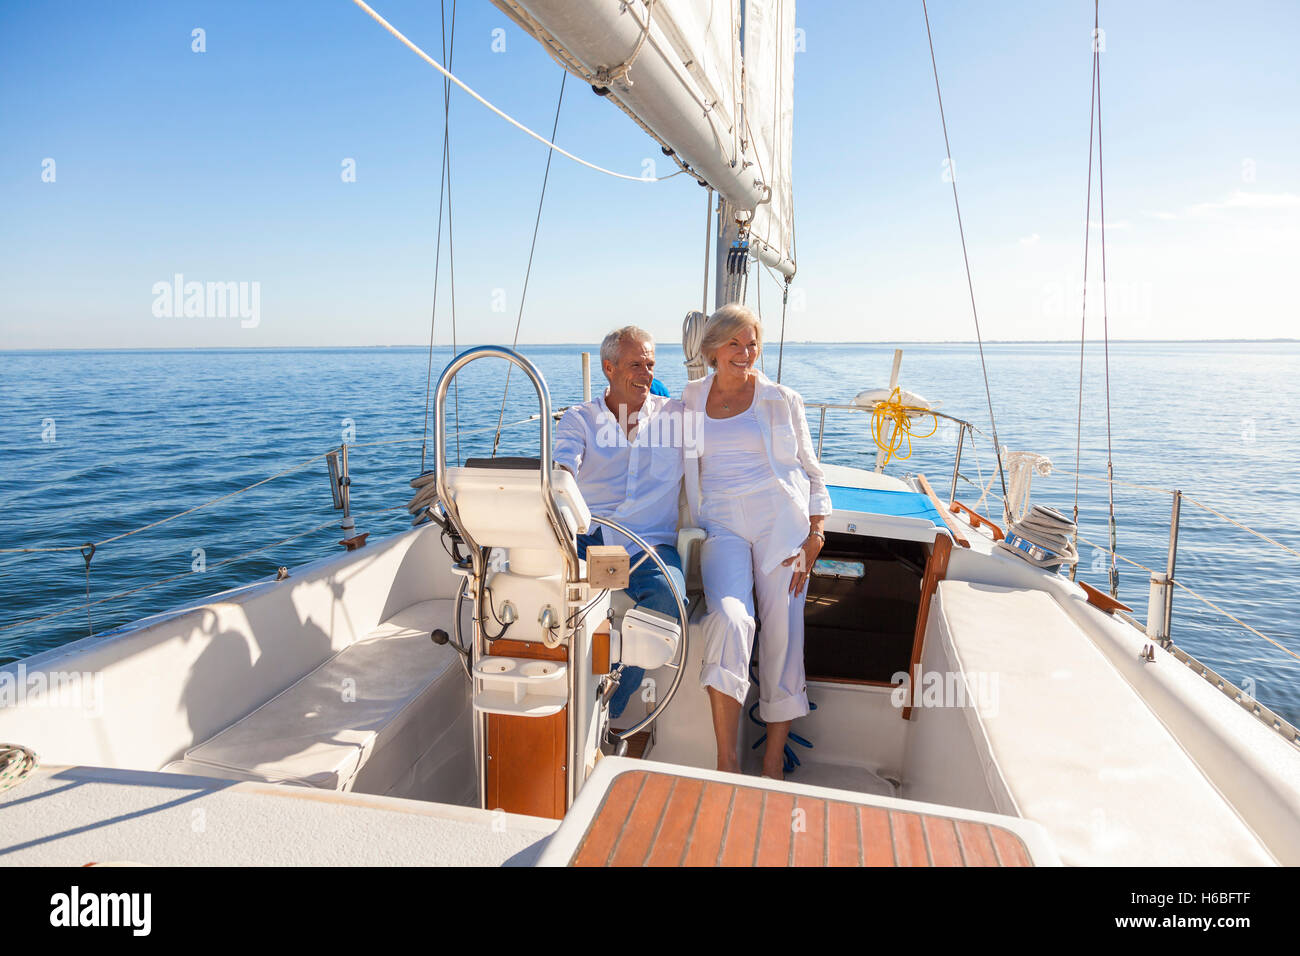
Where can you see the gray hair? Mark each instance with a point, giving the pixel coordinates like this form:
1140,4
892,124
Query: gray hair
725,323
609,348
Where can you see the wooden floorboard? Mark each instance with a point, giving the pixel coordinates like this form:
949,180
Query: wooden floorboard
659,819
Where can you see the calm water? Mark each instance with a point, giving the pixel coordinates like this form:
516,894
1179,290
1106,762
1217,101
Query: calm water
93,444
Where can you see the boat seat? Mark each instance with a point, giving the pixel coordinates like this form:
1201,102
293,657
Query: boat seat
1066,742
360,720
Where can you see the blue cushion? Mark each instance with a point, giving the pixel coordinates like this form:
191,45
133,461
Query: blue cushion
903,504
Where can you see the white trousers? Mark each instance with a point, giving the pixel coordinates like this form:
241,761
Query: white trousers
732,577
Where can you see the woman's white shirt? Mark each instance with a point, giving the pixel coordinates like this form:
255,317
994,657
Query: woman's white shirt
779,413
733,444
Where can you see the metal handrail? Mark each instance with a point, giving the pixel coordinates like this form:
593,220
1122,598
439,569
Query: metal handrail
478,554
961,434
534,374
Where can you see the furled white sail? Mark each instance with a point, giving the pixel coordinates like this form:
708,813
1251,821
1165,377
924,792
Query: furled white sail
677,67
769,47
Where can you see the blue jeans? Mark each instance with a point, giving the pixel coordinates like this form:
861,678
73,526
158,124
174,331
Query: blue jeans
648,587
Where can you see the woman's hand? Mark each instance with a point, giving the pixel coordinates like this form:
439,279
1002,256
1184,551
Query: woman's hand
803,561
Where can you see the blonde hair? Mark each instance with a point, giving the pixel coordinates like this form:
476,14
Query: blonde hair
725,323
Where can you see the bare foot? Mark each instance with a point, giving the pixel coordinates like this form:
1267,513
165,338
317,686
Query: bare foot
777,773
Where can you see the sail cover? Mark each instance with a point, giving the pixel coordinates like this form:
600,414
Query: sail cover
711,80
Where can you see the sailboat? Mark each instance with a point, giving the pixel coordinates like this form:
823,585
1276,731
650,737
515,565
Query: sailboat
440,696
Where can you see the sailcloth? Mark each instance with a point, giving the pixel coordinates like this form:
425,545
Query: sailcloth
769,116
711,80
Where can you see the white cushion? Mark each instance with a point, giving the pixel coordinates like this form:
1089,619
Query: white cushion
322,730
1070,745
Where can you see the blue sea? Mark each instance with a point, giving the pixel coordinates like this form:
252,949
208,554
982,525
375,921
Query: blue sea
96,443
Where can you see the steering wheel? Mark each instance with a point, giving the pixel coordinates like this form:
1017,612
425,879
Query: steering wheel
647,551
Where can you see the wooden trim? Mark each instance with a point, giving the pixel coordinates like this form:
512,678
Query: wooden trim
977,519
1100,599
637,744
949,521
526,756
526,772
600,662
534,650
850,680
936,569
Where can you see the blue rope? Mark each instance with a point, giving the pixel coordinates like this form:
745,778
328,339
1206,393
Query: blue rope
791,760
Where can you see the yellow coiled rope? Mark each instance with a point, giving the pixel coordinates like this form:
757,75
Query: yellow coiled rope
892,411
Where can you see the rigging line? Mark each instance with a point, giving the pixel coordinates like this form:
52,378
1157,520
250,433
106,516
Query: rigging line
571,65
623,68
176,577
738,83
186,574
1204,600
708,243
1242,526
758,291
705,105
90,628
437,256
1105,317
566,62
1126,484
785,301
564,75
970,284
447,53
181,514
1087,232
297,467
979,475
780,355
448,77
784,286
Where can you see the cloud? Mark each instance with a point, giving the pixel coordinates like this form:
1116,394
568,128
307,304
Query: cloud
1030,240
1117,224
1159,214
1244,200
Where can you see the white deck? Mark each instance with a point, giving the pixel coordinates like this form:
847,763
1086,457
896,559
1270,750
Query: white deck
71,816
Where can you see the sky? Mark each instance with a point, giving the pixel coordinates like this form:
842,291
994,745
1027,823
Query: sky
128,158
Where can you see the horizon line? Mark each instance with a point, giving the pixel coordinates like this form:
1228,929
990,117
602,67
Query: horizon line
883,342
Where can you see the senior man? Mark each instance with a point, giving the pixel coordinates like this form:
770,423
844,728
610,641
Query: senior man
625,451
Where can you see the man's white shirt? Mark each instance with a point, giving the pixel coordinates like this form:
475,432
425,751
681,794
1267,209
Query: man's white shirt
634,481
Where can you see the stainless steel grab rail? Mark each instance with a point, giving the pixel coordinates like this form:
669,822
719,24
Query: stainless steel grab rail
478,554
562,533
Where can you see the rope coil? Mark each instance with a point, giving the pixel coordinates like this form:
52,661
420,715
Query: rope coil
16,764
893,411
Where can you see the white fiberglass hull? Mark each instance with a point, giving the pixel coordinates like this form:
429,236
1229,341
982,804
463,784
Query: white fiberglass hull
1119,760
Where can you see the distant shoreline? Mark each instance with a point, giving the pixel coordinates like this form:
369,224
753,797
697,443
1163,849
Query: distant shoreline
594,345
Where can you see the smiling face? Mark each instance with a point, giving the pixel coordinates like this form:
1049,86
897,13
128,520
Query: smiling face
736,356
631,376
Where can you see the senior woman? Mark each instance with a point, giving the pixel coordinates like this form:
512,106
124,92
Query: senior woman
754,485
